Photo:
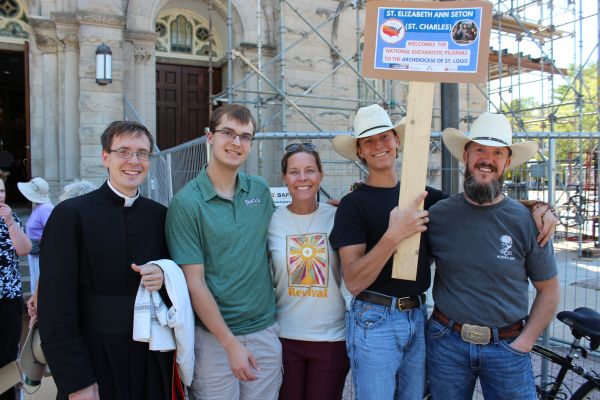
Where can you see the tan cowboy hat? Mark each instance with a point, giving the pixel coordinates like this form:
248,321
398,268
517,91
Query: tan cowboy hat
36,190
32,360
369,121
489,130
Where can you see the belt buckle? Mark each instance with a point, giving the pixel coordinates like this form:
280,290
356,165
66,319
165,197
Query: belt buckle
475,334
399,303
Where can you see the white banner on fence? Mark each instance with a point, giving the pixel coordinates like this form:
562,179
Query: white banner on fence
280,195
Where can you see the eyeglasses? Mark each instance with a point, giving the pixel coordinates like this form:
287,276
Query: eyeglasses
293,147
244,137
126,154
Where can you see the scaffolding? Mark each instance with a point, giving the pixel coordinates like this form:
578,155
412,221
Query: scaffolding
531,78
274,91
527,84
522,61
542,88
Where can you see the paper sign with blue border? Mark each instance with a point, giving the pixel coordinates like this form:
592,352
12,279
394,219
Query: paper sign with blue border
427,41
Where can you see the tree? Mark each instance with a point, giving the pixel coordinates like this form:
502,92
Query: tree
579,96
575,110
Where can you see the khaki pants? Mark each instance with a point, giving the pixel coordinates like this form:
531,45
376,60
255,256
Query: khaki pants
213,379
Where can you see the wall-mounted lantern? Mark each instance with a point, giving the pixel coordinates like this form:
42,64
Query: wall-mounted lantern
103,65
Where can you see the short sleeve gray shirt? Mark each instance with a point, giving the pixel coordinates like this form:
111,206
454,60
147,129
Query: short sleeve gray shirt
484,256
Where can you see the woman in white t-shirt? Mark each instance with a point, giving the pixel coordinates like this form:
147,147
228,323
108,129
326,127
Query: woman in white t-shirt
308,284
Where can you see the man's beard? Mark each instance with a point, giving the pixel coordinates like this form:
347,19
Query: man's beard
482,193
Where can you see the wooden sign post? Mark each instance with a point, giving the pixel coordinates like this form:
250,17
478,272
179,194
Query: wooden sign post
424,43
416,150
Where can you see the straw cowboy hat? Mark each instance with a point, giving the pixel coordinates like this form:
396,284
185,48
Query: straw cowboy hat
369,121
489,130
32,361
36,190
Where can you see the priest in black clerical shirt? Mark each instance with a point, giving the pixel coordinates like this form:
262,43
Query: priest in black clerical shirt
93,256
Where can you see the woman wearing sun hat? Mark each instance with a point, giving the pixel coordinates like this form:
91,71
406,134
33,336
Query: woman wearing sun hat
37,192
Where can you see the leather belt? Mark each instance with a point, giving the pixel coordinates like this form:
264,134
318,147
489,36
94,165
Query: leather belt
402,303
507,332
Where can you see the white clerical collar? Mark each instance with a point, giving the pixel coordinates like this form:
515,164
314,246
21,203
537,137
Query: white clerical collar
128,200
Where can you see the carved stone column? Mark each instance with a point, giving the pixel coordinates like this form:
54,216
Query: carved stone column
68,47
144,76
47,43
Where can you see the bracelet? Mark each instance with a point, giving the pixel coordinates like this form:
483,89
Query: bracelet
539,203
552,210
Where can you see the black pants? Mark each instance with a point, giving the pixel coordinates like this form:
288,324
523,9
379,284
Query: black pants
11,323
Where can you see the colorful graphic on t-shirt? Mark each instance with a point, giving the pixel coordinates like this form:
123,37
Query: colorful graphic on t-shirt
308,260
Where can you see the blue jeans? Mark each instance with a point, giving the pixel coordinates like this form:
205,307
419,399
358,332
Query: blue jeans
454,365
386,348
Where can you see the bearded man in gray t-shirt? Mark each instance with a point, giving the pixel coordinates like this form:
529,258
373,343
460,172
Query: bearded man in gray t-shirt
486,252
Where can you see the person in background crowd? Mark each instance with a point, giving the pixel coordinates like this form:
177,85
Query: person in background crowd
75,189
308,284
37,192
13,243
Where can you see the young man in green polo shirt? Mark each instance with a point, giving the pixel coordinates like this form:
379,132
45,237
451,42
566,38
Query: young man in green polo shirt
217,232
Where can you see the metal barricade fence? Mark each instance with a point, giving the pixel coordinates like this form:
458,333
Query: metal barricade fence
171,169
576,202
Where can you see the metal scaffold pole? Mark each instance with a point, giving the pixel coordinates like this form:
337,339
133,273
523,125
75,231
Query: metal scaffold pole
229,53
259,47
359,84
210,58
580,104
450,116
259,87
450,119
596,231
282,83
551,171
500,72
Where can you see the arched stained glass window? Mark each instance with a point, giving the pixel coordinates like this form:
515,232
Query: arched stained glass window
184,34
181,35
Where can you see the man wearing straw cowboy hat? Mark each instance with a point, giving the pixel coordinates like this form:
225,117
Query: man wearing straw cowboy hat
386,342
478,326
